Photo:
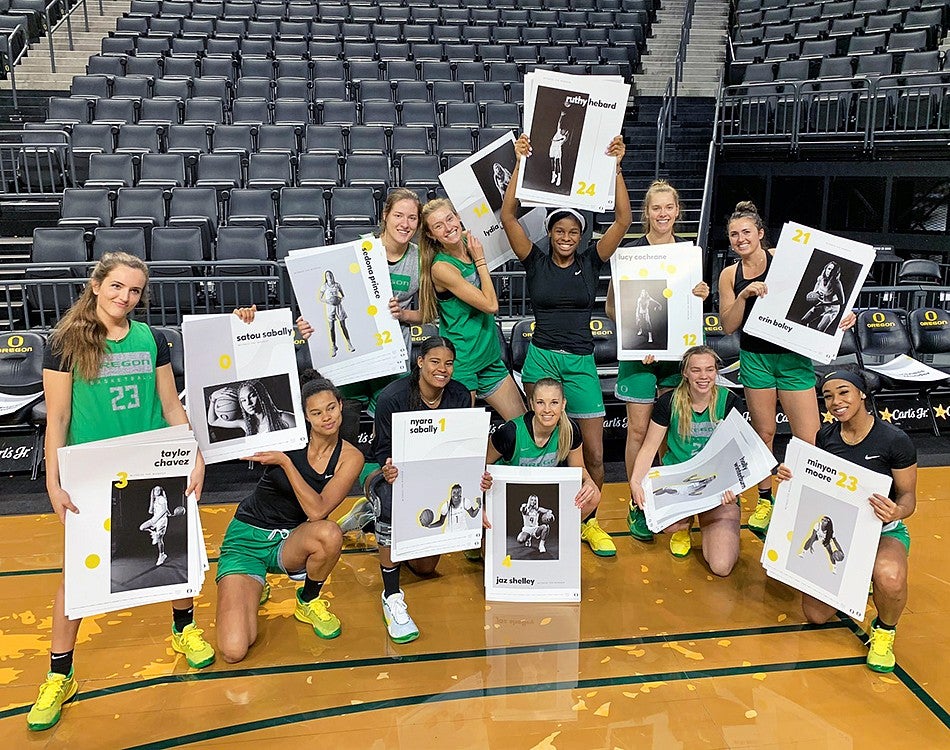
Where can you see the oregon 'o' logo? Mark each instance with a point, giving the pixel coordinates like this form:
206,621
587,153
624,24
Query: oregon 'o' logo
596,325
14,342
878,317
712,321
930,315
415,331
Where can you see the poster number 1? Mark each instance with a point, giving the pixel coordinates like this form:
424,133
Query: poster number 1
801,236
123,480
848,482
689,339
442,424
584,189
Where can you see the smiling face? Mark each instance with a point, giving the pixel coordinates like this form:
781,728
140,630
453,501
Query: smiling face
548,403
444,226
843,400
700,374
662,212
324,412
745,237
436,367
565,236
401,221
118,293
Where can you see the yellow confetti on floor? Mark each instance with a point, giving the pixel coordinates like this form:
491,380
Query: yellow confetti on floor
646,580
659,601
644,569
888,680
782,617
759,676
695,655
310,680
454,676
709,578
750,714
605,660
8,675
547,743
630,695
579,706
355,703
591,694
687,591
725,643
643,628
327,594
746,663
382,676
604,710
636,652
690,687
545,621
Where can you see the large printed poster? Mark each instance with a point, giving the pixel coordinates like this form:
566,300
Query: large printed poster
137,538
734,458
657,312
824,534
437,497
813,282
533,546
343,291
571,121
476,187
241,382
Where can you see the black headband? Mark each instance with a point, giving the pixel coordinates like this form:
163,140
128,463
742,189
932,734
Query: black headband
850,376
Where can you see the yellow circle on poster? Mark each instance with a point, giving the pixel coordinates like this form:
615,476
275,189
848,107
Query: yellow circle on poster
371,310
671,268
644,273
354,267
367,246
92,562
772,555
107,524
624,278
667,292
789,536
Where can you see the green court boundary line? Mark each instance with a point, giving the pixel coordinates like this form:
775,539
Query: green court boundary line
491,692
901,674
390,661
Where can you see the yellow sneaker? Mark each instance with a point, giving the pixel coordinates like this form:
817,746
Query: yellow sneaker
881,654
599,540
680,543
759,520
54,692
317,614
191,643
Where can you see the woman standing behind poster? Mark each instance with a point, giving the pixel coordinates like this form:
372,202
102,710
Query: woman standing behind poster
766,370
860,437
455,285
639,383
563,289
104,376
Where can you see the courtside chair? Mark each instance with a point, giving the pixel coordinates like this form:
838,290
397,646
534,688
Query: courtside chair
196,207
119,239
86,208
236,246
252,207
302,207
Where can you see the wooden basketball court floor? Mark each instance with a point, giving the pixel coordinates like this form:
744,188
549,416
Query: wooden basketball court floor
659,654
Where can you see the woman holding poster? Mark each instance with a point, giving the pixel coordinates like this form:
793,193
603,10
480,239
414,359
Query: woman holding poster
104,376
686,417
639,383
563,289
282,526
455,285
864,439
766,369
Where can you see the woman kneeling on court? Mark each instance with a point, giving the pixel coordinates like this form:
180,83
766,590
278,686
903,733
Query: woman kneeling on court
686,417
282,526
860,437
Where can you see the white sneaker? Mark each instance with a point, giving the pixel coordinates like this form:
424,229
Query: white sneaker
398,622
161,558
541,546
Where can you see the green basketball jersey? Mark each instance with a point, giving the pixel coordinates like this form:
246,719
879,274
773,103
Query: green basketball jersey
527,452
472,331
124,398
701,429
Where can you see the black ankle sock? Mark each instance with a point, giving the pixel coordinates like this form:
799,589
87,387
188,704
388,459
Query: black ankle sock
310,590
390,579
879,623
592,515
61,663
183,618
765,494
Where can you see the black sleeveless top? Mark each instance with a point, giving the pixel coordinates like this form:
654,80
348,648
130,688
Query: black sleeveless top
273,504
747,342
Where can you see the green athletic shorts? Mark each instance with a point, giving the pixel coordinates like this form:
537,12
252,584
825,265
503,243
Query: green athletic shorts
367,391
784,371
484,381
577,372
248,550
900,533
637,383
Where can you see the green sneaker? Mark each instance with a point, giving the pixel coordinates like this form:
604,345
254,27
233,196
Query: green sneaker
317,614
759,520
191,643
265,594
637,523
881,654
54,692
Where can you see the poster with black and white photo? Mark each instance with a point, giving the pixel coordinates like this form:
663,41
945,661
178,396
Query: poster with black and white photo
476,187
813,282
734,458
532,551
137,538
824,535
343,291
905,367
657,312
571,121
241,384
437,496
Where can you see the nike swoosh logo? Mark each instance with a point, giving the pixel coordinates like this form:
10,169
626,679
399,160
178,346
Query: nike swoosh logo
577,272
870,458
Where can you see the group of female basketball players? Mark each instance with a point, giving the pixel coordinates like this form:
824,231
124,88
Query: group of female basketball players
283,526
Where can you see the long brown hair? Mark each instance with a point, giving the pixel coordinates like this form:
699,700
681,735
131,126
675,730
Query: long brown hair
658,186
428,247
79,339
565,435
681,405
